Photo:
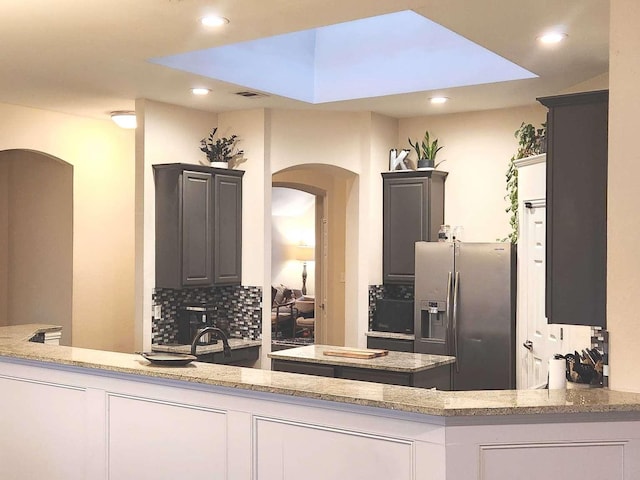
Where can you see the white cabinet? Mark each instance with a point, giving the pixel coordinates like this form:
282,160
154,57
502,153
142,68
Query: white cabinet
68,423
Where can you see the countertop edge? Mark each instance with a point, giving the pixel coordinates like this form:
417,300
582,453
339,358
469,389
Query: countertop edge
390,397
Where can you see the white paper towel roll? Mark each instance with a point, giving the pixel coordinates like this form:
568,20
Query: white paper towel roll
557,374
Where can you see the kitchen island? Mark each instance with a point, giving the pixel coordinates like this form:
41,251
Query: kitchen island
72,413
395,368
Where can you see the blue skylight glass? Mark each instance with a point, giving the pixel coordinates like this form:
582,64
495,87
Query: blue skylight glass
400,52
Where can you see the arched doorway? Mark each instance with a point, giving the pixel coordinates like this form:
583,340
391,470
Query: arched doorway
330,186
36,240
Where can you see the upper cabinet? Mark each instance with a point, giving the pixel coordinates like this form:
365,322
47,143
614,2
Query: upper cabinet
198,225
413,210
576,255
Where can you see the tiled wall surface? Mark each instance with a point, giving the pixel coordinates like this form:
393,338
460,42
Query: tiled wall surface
394,292
240,305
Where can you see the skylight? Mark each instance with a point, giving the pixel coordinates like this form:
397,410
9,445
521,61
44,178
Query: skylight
389,54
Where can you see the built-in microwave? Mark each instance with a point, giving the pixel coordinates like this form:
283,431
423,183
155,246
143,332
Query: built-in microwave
393,315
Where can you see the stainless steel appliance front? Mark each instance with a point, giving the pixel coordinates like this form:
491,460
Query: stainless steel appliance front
465,307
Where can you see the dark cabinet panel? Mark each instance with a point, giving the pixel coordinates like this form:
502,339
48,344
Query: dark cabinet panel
197,265
198,225
377,376
576,246
438,377
395,344
413,210
228,230
305,368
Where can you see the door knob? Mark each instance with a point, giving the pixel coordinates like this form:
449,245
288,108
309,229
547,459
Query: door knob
528,345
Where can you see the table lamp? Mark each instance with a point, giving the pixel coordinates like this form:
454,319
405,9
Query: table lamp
304,254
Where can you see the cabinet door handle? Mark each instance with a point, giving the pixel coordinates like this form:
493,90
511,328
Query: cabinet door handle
528,345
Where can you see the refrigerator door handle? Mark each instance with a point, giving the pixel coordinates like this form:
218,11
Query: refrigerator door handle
448,305
456,285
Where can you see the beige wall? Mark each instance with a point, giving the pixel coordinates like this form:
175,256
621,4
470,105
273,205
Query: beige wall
102,159
4,242
623,265
39,248
477,149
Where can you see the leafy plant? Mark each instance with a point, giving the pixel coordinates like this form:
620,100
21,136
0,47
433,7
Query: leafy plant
531,141
427,150
220,149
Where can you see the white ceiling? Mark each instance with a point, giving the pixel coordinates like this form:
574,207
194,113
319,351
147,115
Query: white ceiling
90,57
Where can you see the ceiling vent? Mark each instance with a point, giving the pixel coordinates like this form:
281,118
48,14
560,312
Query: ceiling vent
249,94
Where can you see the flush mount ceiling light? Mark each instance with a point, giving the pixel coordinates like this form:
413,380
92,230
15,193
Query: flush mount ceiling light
438,100
124,118
214,21
200,91
360,59
551,38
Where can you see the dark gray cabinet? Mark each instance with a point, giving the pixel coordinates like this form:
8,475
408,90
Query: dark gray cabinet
395,344
437,377
576,242
198,225
413,210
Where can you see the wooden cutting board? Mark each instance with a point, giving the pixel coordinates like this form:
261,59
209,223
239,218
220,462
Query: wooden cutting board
356,353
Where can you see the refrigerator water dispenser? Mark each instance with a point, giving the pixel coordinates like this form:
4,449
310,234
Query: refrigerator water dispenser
433,319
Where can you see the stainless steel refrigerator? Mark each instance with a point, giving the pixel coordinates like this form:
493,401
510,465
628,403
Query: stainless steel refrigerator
465,306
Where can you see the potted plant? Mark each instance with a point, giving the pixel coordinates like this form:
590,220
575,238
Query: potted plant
426,151
220,151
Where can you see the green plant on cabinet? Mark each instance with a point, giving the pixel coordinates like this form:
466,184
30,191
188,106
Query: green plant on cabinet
222,149
531,141
426,151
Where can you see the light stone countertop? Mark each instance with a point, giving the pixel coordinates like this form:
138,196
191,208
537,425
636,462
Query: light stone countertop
397,336
13,347
234,343
25,333
392,362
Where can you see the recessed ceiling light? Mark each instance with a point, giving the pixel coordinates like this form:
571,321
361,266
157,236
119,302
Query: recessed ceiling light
437,100
552,37
124,119
214,21
200,91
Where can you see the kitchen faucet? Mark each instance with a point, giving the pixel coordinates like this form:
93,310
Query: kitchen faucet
212,330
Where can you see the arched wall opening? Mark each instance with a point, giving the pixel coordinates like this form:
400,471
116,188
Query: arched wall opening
36,240
335,227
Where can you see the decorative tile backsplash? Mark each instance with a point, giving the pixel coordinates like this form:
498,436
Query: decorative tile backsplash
393,292
240,305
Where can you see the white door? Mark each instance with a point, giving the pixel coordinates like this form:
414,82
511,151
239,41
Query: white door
541,341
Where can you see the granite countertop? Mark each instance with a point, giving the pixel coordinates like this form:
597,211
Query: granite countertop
393,361
416,400
398,336
25,333
234,343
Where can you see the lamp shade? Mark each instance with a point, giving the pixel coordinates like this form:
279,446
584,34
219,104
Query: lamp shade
304,253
